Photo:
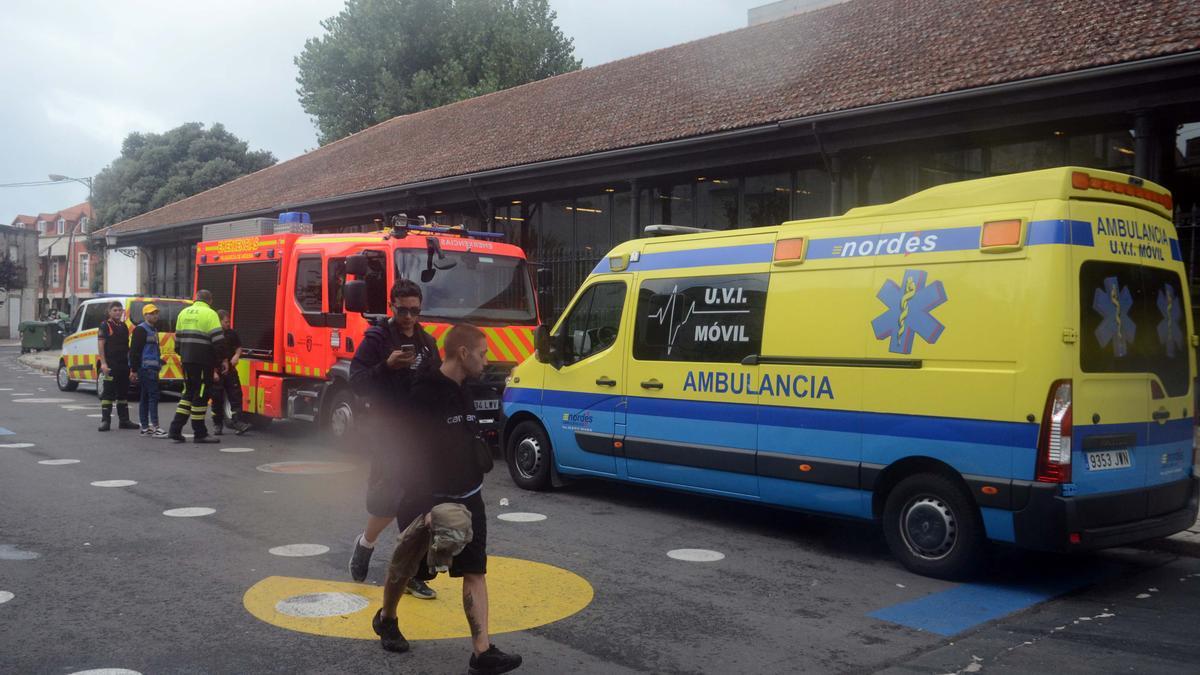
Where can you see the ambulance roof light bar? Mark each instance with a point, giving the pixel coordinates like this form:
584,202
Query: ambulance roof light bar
402,225
672,230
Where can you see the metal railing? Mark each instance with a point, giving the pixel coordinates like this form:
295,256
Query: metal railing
568,268
1187,225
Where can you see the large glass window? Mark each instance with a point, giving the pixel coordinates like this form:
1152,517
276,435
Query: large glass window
717,203
811,198
673,205
713,319
594,321
767,199
556,230
308,284
593,235
1132,321
483,289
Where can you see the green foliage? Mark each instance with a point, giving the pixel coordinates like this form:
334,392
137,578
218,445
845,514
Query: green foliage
12,275
157,169
383,58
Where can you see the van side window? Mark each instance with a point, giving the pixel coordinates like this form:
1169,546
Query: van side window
94,314
335,278
712,319
308,284
594,321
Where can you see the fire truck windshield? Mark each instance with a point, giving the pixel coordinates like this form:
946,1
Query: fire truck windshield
483,289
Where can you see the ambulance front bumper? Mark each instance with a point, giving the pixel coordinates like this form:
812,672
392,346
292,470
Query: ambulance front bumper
1049,520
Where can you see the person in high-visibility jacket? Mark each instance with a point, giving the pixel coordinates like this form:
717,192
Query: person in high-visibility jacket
199,340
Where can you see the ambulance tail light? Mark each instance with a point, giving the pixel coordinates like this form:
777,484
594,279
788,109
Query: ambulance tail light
1000,236
1054,441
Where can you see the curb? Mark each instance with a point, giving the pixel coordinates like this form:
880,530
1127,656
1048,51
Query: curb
1186,543
31,360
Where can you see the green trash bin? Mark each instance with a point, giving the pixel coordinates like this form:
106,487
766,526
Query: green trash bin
37,335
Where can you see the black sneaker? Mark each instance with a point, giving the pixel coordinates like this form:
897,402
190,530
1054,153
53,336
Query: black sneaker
420,590
126,424
239,427
220,428
360,560
492,662
204,439
391,639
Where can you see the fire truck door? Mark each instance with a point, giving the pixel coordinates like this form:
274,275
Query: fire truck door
306,342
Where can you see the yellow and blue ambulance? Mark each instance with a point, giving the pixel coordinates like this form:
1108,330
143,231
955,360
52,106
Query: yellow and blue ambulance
1008,359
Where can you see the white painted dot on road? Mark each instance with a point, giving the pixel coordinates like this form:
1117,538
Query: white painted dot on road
695,555
114,483
5,596
306,468
237,449
1142,596
189,512
10,552
43,400
58,462
106,671
16,445
320,605
521,517
298,550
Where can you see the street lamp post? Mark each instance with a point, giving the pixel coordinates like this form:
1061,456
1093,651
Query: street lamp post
87,181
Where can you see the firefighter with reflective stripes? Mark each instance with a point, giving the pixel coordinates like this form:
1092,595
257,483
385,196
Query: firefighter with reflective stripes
112,338
199,340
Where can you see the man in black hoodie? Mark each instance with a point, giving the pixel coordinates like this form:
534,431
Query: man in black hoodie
450,469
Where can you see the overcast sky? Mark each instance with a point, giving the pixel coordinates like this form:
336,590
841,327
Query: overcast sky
80,76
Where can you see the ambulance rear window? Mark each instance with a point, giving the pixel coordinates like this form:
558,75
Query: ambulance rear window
1132,321
168,311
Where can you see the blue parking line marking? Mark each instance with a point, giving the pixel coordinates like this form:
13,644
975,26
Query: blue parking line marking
963,607
6,432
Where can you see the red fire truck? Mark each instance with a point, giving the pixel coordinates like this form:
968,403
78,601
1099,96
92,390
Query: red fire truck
301,303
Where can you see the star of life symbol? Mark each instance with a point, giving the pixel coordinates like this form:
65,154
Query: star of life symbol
1170,329
910,305
1113,303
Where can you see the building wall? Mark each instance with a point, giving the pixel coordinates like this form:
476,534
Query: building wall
18,304
122,271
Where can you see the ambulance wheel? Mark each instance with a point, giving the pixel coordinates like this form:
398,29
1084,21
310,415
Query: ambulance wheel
529,456
64,379
933,527
341,413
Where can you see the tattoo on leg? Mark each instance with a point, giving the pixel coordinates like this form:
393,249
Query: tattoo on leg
469,607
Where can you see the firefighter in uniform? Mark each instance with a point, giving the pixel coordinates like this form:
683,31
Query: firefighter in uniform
200,341
113,341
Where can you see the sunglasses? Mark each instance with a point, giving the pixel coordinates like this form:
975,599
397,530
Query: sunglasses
407,311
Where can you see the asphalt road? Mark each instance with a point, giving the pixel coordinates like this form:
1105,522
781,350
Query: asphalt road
98,577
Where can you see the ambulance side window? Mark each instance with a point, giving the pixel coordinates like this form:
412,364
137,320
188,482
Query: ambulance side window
594,321
308,284
700,319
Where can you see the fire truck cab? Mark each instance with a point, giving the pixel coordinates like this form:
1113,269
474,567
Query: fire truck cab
301,303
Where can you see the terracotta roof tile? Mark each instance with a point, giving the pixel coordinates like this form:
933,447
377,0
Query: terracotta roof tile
846,56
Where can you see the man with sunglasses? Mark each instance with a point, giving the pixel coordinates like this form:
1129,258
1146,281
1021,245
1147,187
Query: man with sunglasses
382,373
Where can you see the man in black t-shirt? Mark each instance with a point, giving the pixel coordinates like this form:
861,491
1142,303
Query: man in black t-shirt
112,339
227,386
384,367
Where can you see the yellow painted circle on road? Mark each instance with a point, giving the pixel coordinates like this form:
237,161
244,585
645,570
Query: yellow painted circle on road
522,594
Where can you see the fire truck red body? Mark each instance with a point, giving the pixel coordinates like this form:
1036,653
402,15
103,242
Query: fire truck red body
287,297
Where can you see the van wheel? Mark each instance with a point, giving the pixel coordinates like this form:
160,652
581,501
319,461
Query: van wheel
64,379
340,418
529,456
932,526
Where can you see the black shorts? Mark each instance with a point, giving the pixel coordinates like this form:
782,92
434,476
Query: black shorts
473,559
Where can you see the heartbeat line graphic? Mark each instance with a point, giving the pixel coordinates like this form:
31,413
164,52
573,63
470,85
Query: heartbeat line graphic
667,314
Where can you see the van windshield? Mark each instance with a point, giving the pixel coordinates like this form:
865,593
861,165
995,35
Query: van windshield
1132,321
168,311
483,289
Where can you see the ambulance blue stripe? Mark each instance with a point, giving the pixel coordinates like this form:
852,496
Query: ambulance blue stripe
1076,232
948,239
1176,251
704,257
985,432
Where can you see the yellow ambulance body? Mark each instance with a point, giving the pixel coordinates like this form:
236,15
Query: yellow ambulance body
1007,359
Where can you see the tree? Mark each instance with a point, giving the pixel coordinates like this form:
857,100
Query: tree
383,58
157,169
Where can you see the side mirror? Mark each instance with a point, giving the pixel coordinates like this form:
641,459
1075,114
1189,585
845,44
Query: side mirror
545,278
546,347
545,301
355,293
357,265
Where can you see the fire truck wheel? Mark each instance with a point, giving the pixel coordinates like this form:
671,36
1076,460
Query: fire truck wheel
256,421
340,415
65,383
